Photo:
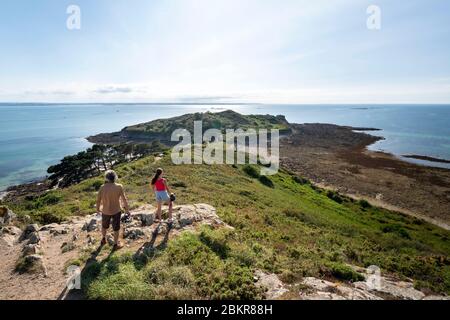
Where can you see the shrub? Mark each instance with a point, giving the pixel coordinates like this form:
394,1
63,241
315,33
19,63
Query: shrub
96,185
293,213
216,240
345,272
266,181
251,171
188,250
179,184
397,229
243,256
50,198
231,283
49,217
364,204
299,180
334,196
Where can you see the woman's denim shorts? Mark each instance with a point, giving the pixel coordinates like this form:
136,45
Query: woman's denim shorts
162,196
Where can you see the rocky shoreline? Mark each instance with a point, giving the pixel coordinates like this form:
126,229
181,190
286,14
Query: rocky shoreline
426,158
337,158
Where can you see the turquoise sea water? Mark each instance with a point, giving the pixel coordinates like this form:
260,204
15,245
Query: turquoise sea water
33,137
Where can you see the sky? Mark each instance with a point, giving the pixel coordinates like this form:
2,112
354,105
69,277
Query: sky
263,51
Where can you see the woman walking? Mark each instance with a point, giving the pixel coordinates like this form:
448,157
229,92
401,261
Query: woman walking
161,190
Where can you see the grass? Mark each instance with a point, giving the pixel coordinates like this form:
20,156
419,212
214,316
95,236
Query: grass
290,227
190,268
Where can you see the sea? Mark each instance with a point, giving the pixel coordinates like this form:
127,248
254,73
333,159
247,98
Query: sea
36,136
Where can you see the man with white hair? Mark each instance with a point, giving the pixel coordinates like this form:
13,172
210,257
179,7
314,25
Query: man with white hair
109,197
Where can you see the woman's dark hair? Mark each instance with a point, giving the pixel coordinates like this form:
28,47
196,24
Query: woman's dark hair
155,178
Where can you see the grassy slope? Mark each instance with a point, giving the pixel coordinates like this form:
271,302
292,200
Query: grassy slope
292,229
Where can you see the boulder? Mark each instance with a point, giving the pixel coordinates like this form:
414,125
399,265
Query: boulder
274,286
205,211
133,233
325,290
432,297
32,228
34,238
31,264
161,229
29,230
185,217
30,249
91,225
6,215
55,229
147,219
401,289
11,230
176,224
9,235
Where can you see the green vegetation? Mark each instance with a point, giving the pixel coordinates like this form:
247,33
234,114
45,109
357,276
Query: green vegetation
292,228
163,128
344,272
193,266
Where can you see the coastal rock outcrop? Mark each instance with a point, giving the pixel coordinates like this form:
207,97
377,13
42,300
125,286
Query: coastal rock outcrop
274,287
10,235
384,287
6,215
90,225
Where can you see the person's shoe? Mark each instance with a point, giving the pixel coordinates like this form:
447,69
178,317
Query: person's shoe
103,242
117,246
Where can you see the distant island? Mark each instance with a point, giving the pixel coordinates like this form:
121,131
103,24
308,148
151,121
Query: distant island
162,129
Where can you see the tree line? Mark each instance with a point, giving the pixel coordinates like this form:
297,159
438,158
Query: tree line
91,162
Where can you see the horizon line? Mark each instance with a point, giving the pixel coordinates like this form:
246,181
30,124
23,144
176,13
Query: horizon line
219,103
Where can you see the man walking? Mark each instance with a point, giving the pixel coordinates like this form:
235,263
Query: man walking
109,197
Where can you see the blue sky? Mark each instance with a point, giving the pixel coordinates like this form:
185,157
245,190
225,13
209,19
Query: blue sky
289,51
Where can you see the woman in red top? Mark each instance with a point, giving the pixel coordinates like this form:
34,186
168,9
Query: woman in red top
161,190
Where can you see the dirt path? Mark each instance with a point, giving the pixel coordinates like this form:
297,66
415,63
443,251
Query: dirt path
137,236
26,286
